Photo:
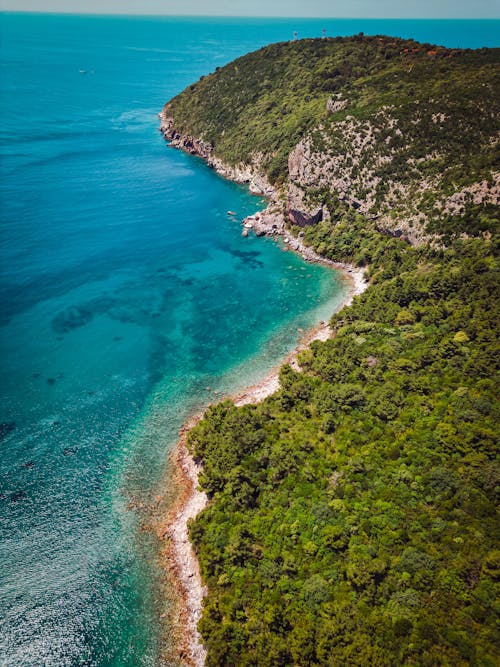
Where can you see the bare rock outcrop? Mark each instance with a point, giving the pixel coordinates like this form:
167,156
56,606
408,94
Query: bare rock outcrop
302,177
484,192
249,174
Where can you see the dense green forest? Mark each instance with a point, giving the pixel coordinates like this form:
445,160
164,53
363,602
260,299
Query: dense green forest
353,515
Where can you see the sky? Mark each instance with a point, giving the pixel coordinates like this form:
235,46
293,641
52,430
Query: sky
284,8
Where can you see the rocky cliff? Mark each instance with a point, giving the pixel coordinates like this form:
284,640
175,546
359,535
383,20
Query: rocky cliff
248,173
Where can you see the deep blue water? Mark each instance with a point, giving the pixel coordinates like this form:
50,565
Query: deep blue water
125,291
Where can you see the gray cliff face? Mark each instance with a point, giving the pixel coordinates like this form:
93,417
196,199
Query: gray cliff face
300,211
271,220
369,165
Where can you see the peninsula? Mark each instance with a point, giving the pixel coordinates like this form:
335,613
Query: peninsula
351,515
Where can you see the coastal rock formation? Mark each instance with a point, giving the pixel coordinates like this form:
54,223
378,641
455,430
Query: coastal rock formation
352,171
248,174
301,176
186,142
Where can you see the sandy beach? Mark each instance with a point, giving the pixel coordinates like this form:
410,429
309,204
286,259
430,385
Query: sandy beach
181,561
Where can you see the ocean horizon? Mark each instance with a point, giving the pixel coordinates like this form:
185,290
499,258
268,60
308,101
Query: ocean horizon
129,301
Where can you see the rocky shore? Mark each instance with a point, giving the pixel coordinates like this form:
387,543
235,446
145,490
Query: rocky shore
268,222
181,560
271,222
245,173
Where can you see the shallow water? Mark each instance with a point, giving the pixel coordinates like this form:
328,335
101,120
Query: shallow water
126,290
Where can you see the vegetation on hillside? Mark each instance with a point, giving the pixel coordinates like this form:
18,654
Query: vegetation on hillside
353,515
433,113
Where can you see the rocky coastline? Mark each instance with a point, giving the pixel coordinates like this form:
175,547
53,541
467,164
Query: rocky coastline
180,558
181,561
271,220
245,173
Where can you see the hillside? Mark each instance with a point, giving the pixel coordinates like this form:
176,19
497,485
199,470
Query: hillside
353,515
403,132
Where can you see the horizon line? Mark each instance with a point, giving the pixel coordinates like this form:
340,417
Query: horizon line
251,16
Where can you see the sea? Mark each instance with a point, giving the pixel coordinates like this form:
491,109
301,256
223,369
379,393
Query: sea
128,298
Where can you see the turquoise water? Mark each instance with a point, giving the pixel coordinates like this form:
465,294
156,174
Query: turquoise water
126,291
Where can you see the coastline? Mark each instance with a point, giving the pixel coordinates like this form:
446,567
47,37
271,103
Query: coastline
180,561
